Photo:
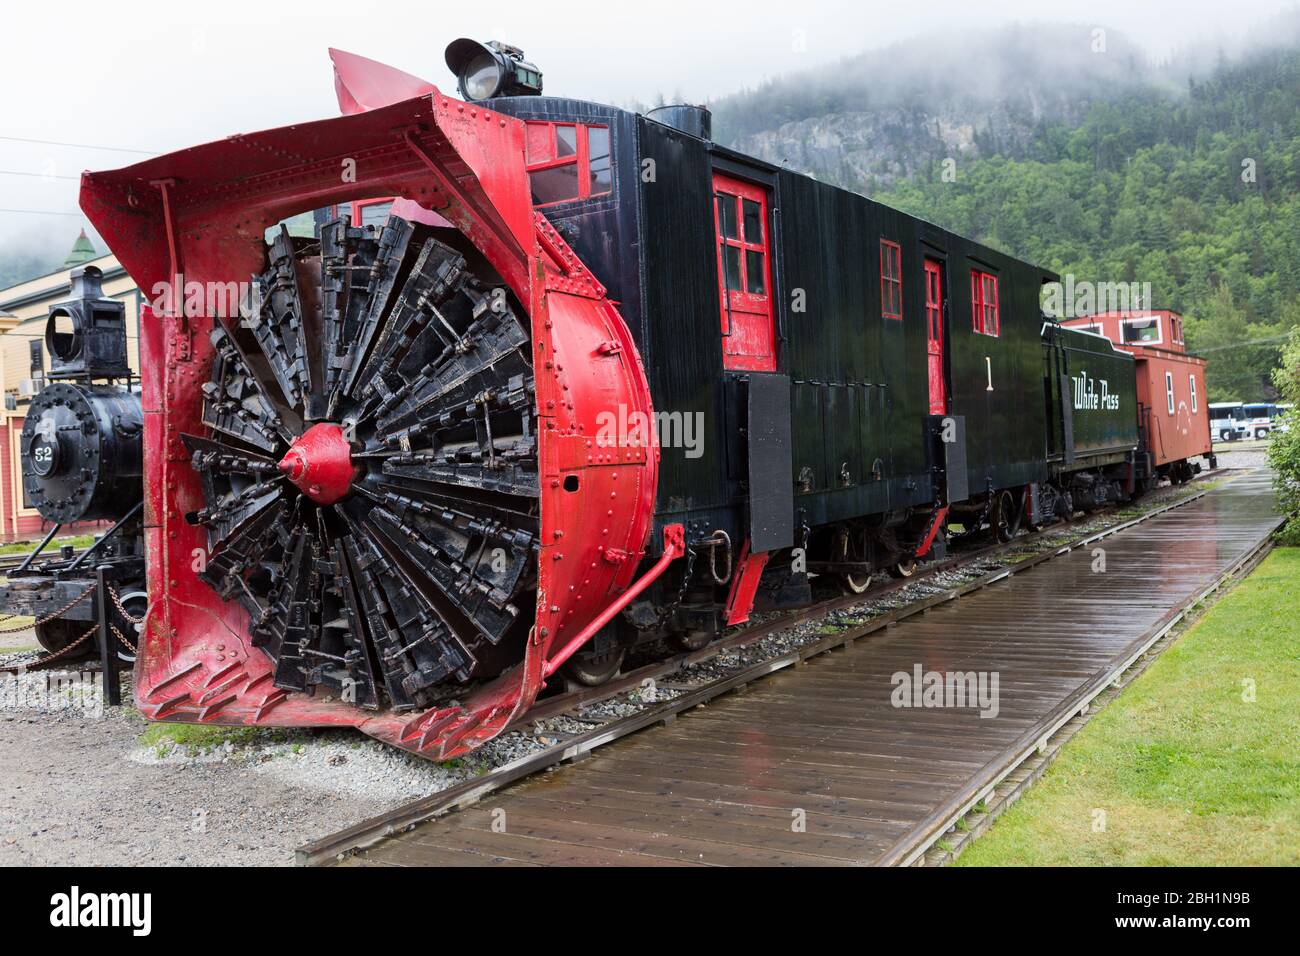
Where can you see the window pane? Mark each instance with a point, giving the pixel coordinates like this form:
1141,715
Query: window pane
597,143
727,215
541,142
731,267
1147,330
753,222
600,177
566,141
755,273
555,184
376,214
598,156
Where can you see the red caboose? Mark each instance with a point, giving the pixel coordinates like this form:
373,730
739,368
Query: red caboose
1173,412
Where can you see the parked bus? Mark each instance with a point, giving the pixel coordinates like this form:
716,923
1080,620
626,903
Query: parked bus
1263,417
1228,421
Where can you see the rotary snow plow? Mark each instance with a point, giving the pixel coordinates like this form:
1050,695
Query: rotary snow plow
374,495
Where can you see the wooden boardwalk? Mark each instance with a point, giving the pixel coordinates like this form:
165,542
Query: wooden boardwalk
823,744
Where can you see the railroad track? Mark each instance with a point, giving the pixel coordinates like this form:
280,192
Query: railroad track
10,561
572,747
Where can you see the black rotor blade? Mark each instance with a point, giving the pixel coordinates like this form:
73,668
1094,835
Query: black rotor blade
388,269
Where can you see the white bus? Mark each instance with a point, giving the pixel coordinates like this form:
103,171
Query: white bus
1228,421
1263,417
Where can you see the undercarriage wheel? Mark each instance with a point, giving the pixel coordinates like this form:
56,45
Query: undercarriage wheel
851,546
903,569
56,635
690,640
1006,516
592,670
136,604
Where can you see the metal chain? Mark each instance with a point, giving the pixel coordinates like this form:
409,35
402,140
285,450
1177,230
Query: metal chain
51,659
121,637
668,611
49,617
117,603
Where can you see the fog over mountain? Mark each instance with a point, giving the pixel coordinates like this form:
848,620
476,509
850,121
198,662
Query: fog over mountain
872,119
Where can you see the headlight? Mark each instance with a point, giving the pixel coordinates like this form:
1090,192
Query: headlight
481,77
485,70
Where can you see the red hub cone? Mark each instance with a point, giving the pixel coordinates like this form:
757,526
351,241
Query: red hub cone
319,462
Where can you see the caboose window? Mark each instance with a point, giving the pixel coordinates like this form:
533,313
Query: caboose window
891,280
1191,383
1169,390
1141,331
984,303
567,161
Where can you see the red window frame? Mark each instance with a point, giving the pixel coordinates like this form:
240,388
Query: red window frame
984,303
891,280
542,145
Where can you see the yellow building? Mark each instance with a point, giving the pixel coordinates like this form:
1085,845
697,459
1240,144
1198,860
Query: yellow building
23,309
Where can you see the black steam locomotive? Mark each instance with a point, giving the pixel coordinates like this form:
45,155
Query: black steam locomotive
81,453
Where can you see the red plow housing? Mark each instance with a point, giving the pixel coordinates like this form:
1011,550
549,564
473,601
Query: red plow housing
196,219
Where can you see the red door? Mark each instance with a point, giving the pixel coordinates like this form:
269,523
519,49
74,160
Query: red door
744,275
934,336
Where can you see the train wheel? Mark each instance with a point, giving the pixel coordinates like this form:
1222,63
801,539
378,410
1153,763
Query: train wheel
903,569
56,635
1007,513
690,640
592,670
853,583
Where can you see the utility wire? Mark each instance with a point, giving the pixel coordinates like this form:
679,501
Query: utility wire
50,142
41,212
1268,340
15,172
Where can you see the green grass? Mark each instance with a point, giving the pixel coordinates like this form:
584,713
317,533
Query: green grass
26,547
1187,772
198,739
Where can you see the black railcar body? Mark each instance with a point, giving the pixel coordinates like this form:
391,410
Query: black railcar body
887,441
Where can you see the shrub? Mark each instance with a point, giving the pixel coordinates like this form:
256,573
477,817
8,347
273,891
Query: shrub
1284,446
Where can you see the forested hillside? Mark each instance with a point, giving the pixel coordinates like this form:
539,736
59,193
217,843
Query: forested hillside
1111,175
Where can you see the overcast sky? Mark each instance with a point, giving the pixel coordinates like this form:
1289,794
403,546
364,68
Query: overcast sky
154,76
